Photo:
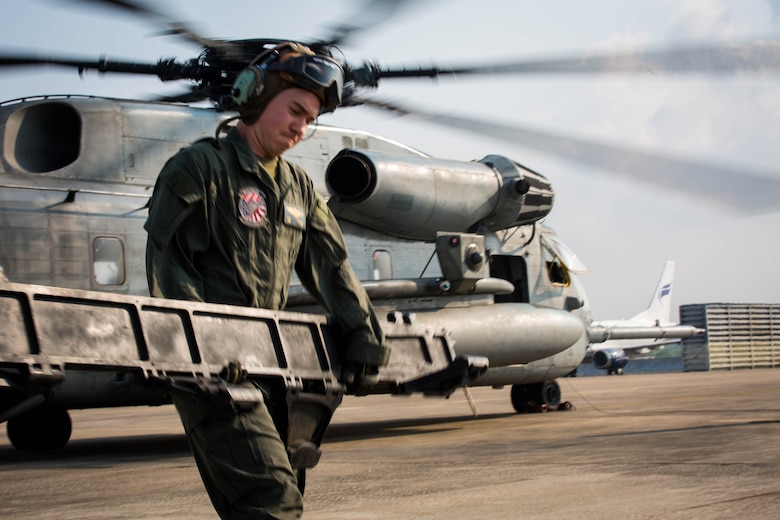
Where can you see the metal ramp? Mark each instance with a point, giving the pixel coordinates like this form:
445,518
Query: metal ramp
84,349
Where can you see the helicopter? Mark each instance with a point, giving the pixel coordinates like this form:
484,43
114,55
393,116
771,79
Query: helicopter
77,171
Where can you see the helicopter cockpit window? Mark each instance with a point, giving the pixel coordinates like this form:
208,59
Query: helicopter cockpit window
556,270
383,265
108,261
566,255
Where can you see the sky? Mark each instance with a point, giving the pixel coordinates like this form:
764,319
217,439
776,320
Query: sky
624,230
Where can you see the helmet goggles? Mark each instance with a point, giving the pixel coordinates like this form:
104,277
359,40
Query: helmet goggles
317,73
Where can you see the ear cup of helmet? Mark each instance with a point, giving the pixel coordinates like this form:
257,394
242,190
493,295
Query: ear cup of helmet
250,83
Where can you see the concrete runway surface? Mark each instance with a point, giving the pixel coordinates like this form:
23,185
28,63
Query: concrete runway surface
649,446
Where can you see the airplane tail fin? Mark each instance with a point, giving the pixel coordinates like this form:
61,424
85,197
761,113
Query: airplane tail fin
660,308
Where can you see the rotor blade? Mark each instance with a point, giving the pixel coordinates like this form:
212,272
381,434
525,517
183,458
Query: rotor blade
367,16
748,192
761,56
192,96
172,27
166,70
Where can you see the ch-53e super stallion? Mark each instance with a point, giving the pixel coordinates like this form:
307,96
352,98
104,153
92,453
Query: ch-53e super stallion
476,290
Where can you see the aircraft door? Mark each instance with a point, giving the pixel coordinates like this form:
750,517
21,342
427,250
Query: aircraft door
513,269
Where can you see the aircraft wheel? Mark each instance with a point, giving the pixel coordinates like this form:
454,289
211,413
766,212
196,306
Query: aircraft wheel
548,393
520,398
42,428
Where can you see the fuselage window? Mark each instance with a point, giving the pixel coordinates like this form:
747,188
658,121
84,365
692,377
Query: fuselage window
108,261
382,265
43,138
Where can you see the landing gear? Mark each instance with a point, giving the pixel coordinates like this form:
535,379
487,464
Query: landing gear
537,397
45,427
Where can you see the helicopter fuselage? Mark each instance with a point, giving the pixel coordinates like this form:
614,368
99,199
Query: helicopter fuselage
76,174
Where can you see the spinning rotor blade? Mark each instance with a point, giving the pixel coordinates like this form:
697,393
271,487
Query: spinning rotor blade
748,192
369,15
762,56
166,70
192,96
171,26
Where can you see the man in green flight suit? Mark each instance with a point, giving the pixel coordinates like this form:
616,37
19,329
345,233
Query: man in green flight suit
228,222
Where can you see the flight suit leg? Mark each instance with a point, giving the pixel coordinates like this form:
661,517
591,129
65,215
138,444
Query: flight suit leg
241,458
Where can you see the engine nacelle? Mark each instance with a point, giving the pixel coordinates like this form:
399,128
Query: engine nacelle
610,359
413,198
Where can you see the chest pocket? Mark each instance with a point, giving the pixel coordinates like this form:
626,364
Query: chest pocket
292,231
294,216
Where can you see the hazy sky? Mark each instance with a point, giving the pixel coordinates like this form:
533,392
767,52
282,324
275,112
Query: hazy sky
622,229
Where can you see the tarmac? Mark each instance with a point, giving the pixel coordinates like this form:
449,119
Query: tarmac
701,445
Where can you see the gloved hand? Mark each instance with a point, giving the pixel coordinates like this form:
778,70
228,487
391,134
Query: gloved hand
362,358
359,377
233,373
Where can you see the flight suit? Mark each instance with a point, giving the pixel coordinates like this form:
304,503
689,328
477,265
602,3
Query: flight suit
222,230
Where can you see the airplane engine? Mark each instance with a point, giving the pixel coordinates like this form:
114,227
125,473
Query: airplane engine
414,197
610,359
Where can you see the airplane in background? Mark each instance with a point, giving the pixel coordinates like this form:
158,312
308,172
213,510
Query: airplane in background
617,339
